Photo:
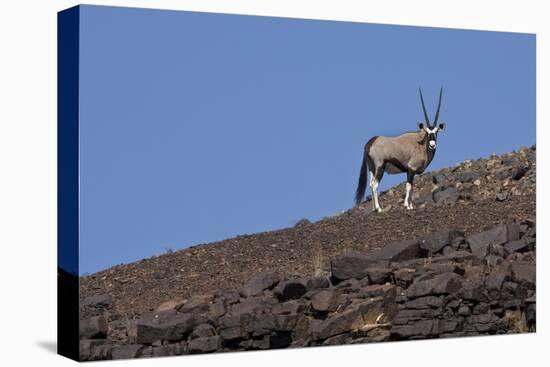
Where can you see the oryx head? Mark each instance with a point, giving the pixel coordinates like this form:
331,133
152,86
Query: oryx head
431,129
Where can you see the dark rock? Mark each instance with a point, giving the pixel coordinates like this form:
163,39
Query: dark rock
257,284
425,303
379,275
519,172
98,301
497,277
290,289
248,306
88,345
472,290
350,265
291,307
127,351
167,326
94,327
404,277
469,176
217,309
280,340
197,304
421,328
203,331
521,245
325,300
531,316
480,242
234,327
446,283
166,350
448,195
525,273
315,283
205,344
352,318
396,251
435,242
375,290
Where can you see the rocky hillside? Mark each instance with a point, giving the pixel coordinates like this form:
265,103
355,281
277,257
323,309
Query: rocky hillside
462,263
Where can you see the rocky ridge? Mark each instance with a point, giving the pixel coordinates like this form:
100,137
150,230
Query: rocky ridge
461,264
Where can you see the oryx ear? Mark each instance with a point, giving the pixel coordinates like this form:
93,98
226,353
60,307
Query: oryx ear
442,126
420,126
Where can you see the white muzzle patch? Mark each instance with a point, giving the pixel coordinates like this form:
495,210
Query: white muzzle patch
432,144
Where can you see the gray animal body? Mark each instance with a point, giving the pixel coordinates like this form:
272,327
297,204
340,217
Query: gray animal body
409,153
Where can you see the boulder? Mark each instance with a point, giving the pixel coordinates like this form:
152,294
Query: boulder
94,327
205,344
449,195
479,243
325,300
435,242
248,306
260,282
446,283
290,289
127,351
165,326
396,251
350,266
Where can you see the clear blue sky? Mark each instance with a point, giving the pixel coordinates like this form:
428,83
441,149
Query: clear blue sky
197,127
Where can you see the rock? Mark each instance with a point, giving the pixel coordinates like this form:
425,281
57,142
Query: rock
127,351
379,275
525,273
205,344
88,345
404,277
448,195
502,196
199,304
98,301
248,306
94,327
325,301
479,243
217,309
165,326
315,283
376,290
168,305
396,251
446,283
352,318
519,172
425,303
233,327
435,242
203,331
497,277
290,289
291,307
350,265
468,176
257,284
420,328
518,246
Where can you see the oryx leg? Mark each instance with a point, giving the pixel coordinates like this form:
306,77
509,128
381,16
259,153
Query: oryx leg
374,181
408,190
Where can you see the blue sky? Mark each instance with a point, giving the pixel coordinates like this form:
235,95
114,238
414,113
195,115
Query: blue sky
196,127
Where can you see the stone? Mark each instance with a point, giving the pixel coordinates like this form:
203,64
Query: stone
376,290
94,327
127,351
248,306
203,331
87,345
379,275
197,304
205,344
315,283
350,265
325,301
257,284
290,289
98,301
519,172
479,243
521,245
501,196
524,273
448,195
425,303
217,309
435,242
352,318
446,283
171,327
404,277
291,307
396,251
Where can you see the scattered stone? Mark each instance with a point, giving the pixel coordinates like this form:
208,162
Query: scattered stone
259,283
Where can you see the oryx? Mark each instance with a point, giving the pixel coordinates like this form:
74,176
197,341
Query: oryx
408,153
